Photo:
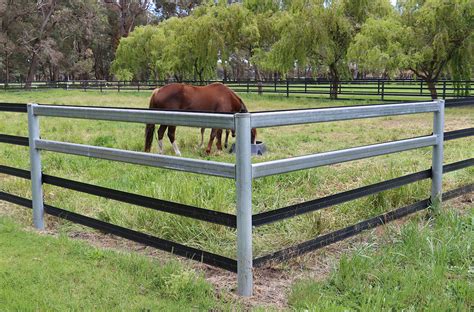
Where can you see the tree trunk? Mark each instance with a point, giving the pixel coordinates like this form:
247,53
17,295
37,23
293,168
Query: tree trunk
7,69
432,87
37,42
334,81
31,71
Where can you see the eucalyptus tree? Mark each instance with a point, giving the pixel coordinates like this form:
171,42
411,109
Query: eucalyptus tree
124,15
176,8
13,19
428,37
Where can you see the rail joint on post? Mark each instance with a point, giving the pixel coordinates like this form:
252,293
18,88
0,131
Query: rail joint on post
35,166
437,159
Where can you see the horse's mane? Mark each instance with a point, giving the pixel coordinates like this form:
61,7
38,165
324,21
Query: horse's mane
243,108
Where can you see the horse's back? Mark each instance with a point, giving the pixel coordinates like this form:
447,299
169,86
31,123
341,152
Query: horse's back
215,97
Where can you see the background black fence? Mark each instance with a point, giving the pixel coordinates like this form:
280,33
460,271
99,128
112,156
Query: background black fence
376,89
229,220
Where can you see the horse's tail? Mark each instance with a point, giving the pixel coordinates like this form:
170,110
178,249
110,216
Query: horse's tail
150,128
149,132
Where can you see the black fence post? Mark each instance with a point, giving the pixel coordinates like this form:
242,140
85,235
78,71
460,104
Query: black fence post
118,86
248,85
138,86
275,83
383,89
305,85
421,87
378,86
444,89
287,88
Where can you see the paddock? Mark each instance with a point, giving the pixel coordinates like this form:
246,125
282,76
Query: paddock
366,177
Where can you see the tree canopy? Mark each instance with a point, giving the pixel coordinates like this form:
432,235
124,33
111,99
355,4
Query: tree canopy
249,39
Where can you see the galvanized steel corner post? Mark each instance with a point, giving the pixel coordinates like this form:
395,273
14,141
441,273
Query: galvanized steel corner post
243,181
437,159
35,166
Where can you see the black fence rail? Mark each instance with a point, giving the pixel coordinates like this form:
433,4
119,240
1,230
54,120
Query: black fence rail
229,220
377,89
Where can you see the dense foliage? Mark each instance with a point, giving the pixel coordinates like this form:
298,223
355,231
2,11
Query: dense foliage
250,39
306,39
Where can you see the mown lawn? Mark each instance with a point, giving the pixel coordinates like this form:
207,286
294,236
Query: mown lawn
219,193
44,273
426,266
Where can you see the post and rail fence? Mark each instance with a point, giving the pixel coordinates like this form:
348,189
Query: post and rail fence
374,89
243,172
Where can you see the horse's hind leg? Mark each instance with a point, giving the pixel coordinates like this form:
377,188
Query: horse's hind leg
219,139
227,131
211,141
171,136
161,134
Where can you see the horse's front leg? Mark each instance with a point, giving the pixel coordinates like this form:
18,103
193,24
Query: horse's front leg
161,134
227,131
211,141
219,139
171,136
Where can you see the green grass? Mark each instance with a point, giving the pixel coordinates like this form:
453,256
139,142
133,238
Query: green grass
219,193
44,273
425,267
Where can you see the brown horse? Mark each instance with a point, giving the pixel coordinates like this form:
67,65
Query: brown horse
227,132
215,97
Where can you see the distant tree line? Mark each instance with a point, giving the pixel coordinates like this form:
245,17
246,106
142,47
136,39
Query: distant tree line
72,39
337,39
224,39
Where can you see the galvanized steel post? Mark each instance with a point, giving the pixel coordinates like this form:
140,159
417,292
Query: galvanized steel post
35,165
243,181
437,159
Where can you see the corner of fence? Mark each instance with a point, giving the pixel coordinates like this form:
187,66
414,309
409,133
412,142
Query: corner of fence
243,182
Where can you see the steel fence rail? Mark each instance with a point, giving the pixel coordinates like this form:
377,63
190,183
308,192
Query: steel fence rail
225,170
177,118
328,158
284,118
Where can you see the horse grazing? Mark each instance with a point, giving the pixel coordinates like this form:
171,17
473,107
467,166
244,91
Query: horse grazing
215,97
227,132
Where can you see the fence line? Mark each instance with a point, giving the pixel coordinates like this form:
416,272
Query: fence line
244,173
373,88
